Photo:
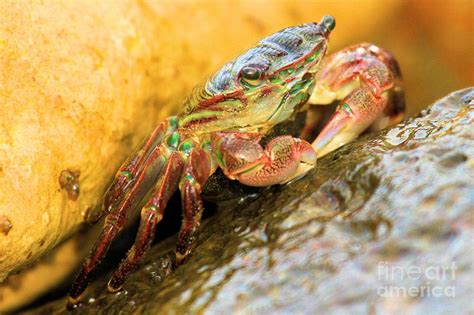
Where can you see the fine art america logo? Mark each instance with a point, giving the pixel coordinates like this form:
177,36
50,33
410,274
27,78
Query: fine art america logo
416,281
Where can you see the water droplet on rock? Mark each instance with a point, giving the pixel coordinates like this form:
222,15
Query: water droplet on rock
69,180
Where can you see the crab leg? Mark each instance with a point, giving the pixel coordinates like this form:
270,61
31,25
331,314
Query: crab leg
367,79
151,215
131,169
241,157
197,171
117,217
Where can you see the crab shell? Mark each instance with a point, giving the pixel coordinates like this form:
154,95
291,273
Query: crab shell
284,63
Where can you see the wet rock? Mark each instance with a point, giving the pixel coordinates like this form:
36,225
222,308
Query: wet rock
69,180
383,225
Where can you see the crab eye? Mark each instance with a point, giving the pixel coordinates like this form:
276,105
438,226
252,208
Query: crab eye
250,76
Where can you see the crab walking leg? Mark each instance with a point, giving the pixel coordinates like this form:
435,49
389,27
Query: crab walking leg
151,215
116,219
241,157
368,81
197,171
192,212
131,169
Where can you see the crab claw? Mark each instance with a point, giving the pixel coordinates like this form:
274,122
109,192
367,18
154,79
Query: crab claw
355,113
284,158
340,129
307,157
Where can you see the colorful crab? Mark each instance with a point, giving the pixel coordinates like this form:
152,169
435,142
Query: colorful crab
221,125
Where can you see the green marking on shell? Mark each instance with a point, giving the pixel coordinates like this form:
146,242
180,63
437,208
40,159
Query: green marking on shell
206,144
300,86
189,178
295,89
186,146
283,74
126,174
173,140
276,80
313,56
173,122
347,108
153,207
287,71
219,157
310,58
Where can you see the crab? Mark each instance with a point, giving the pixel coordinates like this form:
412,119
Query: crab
221,125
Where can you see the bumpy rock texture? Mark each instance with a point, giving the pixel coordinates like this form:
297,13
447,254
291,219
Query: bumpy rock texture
337,240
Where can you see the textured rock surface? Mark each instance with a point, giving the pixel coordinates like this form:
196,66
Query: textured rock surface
330,241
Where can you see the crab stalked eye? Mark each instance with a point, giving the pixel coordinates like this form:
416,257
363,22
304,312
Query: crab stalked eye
250,76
